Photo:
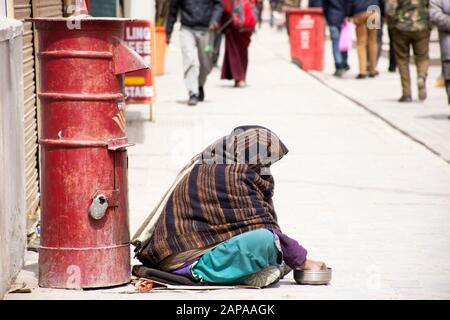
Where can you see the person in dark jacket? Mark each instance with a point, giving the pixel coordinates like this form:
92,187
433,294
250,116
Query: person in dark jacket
335,13
440,16
315,3
392,61
366,16
198,19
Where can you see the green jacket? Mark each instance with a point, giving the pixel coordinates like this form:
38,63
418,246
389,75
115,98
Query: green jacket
408,15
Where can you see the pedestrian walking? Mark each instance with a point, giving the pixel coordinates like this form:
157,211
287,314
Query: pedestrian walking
366,16
380,30
410,22
392,57
198,19
259,7
384,20
216,45
274,7
238,30
335,13
440,16
315,3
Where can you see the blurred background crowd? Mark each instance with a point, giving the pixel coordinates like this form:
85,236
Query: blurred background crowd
408,24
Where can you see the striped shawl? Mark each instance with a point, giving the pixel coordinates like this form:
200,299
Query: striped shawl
227,193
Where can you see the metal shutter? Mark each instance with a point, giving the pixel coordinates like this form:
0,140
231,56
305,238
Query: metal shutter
24,9
48,8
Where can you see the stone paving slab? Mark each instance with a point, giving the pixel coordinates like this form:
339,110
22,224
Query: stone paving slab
425,122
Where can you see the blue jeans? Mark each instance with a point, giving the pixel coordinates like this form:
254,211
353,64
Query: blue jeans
340,57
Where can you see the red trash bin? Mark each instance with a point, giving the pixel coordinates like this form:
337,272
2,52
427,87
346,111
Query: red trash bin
307,37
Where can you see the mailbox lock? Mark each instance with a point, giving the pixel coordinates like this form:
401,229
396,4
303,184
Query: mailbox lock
98,207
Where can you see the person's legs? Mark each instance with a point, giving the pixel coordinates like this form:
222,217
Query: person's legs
392,60
420,44
337,55
235,60
344,55
444,39
191,64
373,50
446,74
244,43
203,39
380,40
272,9
401,46
238,258
217,44
360,21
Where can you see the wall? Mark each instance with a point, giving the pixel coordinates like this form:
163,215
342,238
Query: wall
140,9
2,8
12,154
103,8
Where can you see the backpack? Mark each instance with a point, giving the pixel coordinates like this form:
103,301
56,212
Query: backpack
244,15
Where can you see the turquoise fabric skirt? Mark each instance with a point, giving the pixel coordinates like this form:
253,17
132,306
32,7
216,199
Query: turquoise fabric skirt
238,258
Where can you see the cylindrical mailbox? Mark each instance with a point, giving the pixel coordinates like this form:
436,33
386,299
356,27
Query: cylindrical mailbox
307,37
84,195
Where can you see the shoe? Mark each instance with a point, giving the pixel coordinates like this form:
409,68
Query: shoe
374,74
285,269
405,99
421,85
264,278
440,82
193,100
339,73
392,69
240,84
361,76
201,94
347,67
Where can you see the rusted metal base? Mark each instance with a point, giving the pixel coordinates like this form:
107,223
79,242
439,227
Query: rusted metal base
82,268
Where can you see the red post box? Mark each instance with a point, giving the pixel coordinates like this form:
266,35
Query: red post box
84,190
307,37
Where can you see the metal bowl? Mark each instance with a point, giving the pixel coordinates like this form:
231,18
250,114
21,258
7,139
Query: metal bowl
321,277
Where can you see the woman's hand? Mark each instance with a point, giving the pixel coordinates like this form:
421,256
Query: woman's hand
313,265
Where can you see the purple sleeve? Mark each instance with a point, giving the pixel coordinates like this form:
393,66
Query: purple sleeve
294,255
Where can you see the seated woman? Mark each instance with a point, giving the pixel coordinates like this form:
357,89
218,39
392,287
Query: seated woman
218,224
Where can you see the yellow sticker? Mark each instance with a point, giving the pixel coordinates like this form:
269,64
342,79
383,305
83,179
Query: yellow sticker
134,81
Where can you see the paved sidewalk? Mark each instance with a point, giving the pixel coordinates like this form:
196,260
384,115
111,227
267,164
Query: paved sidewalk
425,122
355,192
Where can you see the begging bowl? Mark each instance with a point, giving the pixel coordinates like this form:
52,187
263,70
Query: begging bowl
321,277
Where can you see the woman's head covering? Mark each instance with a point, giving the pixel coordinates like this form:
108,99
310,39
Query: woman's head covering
227,193
253,145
